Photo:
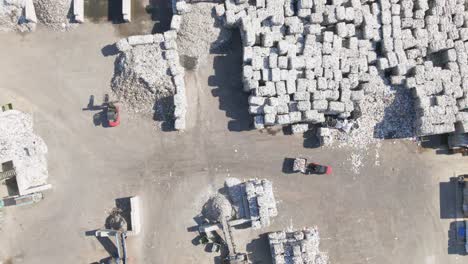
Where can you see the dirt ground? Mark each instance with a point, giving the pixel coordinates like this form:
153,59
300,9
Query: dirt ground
389,213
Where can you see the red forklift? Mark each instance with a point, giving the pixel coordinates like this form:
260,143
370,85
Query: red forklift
110,112
301,165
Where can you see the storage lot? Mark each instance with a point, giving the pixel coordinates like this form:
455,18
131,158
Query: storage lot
387,214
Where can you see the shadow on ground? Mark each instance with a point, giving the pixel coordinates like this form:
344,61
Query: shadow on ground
227,86
258,250
109,50
164,112
437,142
448,202
456,242
451,207
311,140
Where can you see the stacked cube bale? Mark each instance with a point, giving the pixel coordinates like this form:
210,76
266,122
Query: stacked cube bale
177,72
303,60
425,34
253,199
296,247
179,7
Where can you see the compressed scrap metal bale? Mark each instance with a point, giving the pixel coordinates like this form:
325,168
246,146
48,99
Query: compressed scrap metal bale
333,55
300,164
300,246
255,199
140,40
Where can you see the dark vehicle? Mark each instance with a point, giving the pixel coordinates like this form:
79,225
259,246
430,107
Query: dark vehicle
300,165
313,168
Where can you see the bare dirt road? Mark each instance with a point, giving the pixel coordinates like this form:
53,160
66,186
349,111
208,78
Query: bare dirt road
388,213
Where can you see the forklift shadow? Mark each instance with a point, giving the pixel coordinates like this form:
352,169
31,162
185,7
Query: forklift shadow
99,119
288,165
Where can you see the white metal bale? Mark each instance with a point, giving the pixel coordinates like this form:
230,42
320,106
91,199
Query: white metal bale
78,10
127,10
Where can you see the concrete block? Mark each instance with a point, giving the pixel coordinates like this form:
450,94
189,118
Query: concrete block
256,100
301,96
256,109
275,75
127,10
291,86
179,124
283,62
270,119
280,88
273,101
304,105
283,119
302,84
320,105
78,11
295,117
299,128
316,18
122,45
336,107
177,21
267,90
284,75
282,109
313,116
268,109
140,40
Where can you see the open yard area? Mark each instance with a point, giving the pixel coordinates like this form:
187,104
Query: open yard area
389,212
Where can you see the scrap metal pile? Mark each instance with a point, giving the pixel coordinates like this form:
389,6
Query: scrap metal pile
304,60
296,247
26,150
252,199
148,69
17,15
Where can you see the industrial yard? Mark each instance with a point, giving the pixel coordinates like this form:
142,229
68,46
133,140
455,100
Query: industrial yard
190,122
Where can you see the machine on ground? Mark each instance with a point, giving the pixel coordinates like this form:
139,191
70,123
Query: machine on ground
301,165
110,112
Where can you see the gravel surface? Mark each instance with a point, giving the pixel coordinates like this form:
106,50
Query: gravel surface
54,13
216,208
141,77
201,32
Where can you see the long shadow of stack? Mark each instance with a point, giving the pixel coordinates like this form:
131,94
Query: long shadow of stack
227,85
451,203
